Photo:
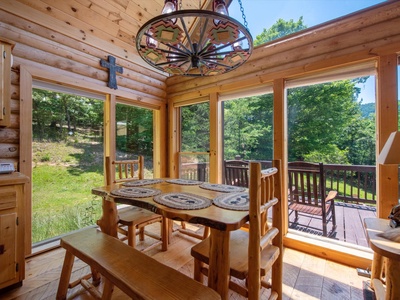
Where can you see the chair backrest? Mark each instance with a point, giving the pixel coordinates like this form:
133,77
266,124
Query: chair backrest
306,183
126,170
237,172
264,194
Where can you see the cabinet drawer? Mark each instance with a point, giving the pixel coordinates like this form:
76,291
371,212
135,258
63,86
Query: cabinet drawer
8,198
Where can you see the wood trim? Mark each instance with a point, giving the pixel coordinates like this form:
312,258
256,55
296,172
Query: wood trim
69,79
109,137
216,140
281,144
160,142
173,141
357,258
387,122
25,142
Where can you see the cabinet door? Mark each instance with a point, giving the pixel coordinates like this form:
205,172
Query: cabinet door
8,237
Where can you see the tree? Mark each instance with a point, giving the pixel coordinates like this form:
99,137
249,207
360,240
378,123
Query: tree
136,125
280,29
195,126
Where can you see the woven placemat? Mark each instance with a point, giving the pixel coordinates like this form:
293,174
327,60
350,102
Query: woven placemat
225,188
135,192
141,182
183,201
234,201
184,181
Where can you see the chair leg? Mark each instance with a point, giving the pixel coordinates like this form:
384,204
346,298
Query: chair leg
65,276
206,232
197,274
132,236
141,233
165,233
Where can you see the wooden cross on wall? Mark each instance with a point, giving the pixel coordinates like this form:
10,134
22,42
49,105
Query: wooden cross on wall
113,69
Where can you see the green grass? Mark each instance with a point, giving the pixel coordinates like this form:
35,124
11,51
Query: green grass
62,177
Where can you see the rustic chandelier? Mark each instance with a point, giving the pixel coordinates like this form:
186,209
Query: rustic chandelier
195,42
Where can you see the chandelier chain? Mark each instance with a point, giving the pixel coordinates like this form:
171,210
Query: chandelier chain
243,15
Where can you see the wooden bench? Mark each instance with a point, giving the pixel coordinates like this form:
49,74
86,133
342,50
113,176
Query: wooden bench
133,272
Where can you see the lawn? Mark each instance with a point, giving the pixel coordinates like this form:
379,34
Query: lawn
62,177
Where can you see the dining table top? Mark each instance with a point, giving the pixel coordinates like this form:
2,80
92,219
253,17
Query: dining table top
213,216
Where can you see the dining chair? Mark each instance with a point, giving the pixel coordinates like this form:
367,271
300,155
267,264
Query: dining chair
133,220
307,194
255,252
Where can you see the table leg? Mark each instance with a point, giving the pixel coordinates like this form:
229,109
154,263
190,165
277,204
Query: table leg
377,265
109,219
392,279
218,274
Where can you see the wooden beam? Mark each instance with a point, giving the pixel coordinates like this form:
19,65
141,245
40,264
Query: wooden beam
387,122
216,139
25,143
280,143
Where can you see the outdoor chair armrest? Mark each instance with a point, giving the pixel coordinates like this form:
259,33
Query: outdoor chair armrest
331,196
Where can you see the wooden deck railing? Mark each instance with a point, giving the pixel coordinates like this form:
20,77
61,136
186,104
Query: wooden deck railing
355,184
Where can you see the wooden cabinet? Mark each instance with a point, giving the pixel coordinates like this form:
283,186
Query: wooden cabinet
12,225
5,83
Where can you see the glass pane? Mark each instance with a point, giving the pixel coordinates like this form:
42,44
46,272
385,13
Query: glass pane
194,166
195,127
334,124
248,124
134,135
67,162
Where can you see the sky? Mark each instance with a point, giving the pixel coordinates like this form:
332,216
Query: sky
262,14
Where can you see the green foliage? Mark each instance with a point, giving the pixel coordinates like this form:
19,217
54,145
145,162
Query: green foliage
248,128
55,115
280,29
318,117
195,124
134,130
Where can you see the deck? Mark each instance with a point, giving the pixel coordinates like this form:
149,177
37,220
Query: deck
349,221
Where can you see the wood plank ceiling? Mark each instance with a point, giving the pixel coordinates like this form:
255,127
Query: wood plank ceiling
101,21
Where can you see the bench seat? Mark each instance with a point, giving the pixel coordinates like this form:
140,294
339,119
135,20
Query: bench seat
135,273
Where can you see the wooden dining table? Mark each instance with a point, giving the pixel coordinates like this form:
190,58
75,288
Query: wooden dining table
221,222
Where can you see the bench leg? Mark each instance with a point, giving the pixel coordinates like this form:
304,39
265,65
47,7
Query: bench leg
65,276
108,289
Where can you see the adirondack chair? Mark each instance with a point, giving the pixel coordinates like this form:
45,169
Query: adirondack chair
237,172
307,193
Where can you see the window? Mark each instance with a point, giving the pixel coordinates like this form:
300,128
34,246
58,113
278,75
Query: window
67,161
134,135
331,120
195,141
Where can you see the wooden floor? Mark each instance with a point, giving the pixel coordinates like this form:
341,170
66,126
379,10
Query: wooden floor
305,276
349,221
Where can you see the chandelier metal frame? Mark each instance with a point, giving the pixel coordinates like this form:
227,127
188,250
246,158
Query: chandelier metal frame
193,42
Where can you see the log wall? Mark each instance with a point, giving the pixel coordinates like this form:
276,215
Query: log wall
59,56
